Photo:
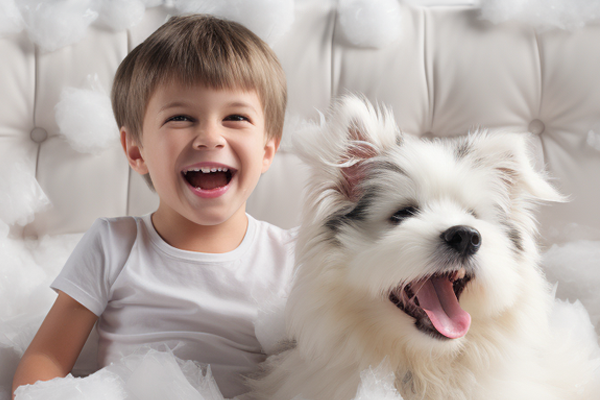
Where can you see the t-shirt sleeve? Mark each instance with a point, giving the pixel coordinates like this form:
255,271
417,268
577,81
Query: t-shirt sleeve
97,259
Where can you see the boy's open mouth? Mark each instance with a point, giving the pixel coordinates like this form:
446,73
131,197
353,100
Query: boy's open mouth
208,177
433,303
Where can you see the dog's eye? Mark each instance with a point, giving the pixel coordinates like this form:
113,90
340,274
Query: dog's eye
403,214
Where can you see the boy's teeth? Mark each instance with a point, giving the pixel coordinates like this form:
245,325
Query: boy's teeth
207,170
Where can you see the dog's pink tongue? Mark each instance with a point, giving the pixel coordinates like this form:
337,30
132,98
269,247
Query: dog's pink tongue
438,300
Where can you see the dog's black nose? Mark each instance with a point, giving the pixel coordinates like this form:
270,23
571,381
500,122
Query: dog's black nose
464,239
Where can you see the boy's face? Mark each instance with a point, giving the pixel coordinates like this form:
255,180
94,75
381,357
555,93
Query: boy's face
205,150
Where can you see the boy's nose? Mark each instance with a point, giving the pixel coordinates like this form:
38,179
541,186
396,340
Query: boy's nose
208,137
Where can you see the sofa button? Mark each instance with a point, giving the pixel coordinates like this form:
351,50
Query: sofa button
536,127
38,135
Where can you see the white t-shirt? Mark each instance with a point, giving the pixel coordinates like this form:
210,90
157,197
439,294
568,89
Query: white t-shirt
146,291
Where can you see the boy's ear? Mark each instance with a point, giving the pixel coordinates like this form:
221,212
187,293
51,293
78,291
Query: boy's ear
133,152
270,148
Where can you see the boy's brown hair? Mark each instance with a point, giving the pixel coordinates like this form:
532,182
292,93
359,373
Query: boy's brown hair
199,49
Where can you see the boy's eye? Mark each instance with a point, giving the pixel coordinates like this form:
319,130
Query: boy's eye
180,118
236,118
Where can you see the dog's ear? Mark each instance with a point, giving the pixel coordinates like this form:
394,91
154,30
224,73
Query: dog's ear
510,156
339,147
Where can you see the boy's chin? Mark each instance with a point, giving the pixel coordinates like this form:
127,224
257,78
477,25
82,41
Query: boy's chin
215,216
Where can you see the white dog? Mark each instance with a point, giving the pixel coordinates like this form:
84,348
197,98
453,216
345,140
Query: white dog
421,253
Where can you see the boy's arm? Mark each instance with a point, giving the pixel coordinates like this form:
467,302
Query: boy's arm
57,344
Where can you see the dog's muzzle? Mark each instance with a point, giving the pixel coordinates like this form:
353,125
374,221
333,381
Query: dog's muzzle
433,300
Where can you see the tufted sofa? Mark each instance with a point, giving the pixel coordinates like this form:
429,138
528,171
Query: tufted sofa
448,72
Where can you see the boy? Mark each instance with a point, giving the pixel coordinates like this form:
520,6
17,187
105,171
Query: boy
200,104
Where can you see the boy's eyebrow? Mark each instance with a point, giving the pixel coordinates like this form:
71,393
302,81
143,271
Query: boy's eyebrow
173,104
179,103
241,104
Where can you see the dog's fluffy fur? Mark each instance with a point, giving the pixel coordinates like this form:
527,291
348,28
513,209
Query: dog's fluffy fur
379,204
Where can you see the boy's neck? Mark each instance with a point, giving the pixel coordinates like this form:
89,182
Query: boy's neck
184,234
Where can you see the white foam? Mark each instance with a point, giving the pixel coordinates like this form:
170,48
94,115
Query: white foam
576,267
26,268
147,374
20,193
103,385
10,17
370,23
542,14
120,14
377,384
59,23
55,24
573,333
593,137
85,118
268,19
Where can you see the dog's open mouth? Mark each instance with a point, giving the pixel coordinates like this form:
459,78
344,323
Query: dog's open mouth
433,303
208,178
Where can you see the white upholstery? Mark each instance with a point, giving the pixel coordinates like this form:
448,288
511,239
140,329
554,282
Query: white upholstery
448,72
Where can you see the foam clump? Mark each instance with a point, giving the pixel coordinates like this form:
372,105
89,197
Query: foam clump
20,193
21,276
542,14
15,336
103,385
593,138
86,120
56,24
574,334
576,267
576,318
377,384
10,17
27,268
268,19
120,14
146,374
368,23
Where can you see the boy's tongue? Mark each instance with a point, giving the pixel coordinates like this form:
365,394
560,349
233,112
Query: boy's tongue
438,300
208,181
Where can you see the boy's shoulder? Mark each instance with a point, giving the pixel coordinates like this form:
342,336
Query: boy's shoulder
116,225
275,234
117,232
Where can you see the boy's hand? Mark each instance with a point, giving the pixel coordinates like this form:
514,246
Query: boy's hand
57,344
